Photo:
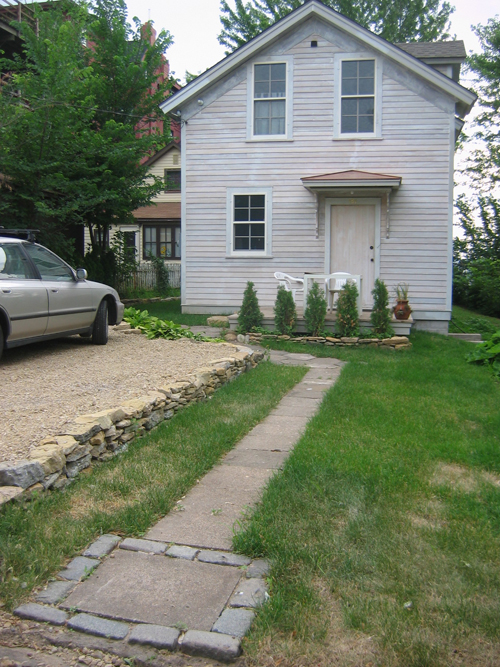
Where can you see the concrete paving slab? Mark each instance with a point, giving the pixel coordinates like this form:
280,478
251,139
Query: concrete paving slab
102,546
55,592
291,406
100,627
211,645
155,635
277,432
325,362
310,391
140,588
255,458
212,508
234,622
322,374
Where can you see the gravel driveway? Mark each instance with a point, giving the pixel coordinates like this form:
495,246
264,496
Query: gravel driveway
43,386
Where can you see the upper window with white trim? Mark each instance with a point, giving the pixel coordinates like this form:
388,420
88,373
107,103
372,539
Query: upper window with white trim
358,99
358,96
269,104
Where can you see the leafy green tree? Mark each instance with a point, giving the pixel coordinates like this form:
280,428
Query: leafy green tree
476,278
250,315
476,271
70,144
394,20
285,313
315,311
484,165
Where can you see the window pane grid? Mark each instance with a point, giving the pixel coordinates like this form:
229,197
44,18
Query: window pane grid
249,216
269,99
357,97
162,241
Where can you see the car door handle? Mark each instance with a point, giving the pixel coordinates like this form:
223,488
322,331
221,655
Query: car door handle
6,291
54,291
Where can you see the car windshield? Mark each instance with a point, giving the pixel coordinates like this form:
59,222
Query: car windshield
13,263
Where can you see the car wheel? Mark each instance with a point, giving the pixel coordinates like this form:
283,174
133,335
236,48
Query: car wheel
100,328
1,341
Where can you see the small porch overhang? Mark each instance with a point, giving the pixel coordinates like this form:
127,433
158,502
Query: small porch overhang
352,182
353,178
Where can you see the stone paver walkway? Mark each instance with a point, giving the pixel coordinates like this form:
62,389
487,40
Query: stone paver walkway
181,587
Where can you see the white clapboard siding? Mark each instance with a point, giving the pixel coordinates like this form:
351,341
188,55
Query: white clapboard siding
415,145
171,160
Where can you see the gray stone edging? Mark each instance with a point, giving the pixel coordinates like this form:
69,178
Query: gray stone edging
99,436
394,342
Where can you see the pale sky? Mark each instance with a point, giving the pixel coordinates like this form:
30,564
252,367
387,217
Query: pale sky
195,25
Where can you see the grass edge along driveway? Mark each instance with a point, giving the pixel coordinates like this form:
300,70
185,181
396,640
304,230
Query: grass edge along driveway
383,527
128,494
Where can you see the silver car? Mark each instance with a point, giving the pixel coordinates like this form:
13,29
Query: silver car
42,297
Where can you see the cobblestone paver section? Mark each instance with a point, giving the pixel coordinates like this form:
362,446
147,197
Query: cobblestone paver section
181,588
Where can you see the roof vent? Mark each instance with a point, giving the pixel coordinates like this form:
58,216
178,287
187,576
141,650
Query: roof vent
314,44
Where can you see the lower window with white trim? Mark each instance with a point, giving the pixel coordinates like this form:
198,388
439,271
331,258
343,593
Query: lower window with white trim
249,222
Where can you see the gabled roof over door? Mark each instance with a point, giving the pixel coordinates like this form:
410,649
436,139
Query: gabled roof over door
315,8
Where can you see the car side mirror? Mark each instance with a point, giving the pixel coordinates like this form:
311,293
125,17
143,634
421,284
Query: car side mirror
81,274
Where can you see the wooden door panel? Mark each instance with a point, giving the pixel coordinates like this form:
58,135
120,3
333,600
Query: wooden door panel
352,244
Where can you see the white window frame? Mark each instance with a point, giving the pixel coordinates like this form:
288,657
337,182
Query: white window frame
339,58
271,60
231,193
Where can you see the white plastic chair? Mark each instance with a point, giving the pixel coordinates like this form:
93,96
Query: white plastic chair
334,284
290,283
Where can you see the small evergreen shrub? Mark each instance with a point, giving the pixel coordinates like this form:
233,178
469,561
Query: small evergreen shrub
315,311
347,310
285,314
250,315
381,314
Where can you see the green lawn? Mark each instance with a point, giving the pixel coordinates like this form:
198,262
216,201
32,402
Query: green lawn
128,494
384,526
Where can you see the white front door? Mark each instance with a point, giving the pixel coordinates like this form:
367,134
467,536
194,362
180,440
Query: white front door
353,246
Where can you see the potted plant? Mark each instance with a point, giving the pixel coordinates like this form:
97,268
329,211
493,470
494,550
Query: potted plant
402,310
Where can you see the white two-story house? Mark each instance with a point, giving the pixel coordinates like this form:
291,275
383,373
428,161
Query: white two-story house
320,147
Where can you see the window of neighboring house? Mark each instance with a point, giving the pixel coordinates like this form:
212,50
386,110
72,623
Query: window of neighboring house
172,178
249,222
162,241
269,104
130,245
357,114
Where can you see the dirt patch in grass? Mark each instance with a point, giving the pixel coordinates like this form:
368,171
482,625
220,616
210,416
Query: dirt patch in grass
341,647
463,479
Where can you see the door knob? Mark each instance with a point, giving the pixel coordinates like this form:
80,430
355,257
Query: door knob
372,259
371,247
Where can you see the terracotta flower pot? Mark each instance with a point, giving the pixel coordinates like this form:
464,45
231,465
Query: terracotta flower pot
402,310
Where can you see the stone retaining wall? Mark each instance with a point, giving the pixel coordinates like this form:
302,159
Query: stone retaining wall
395,342
57,460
